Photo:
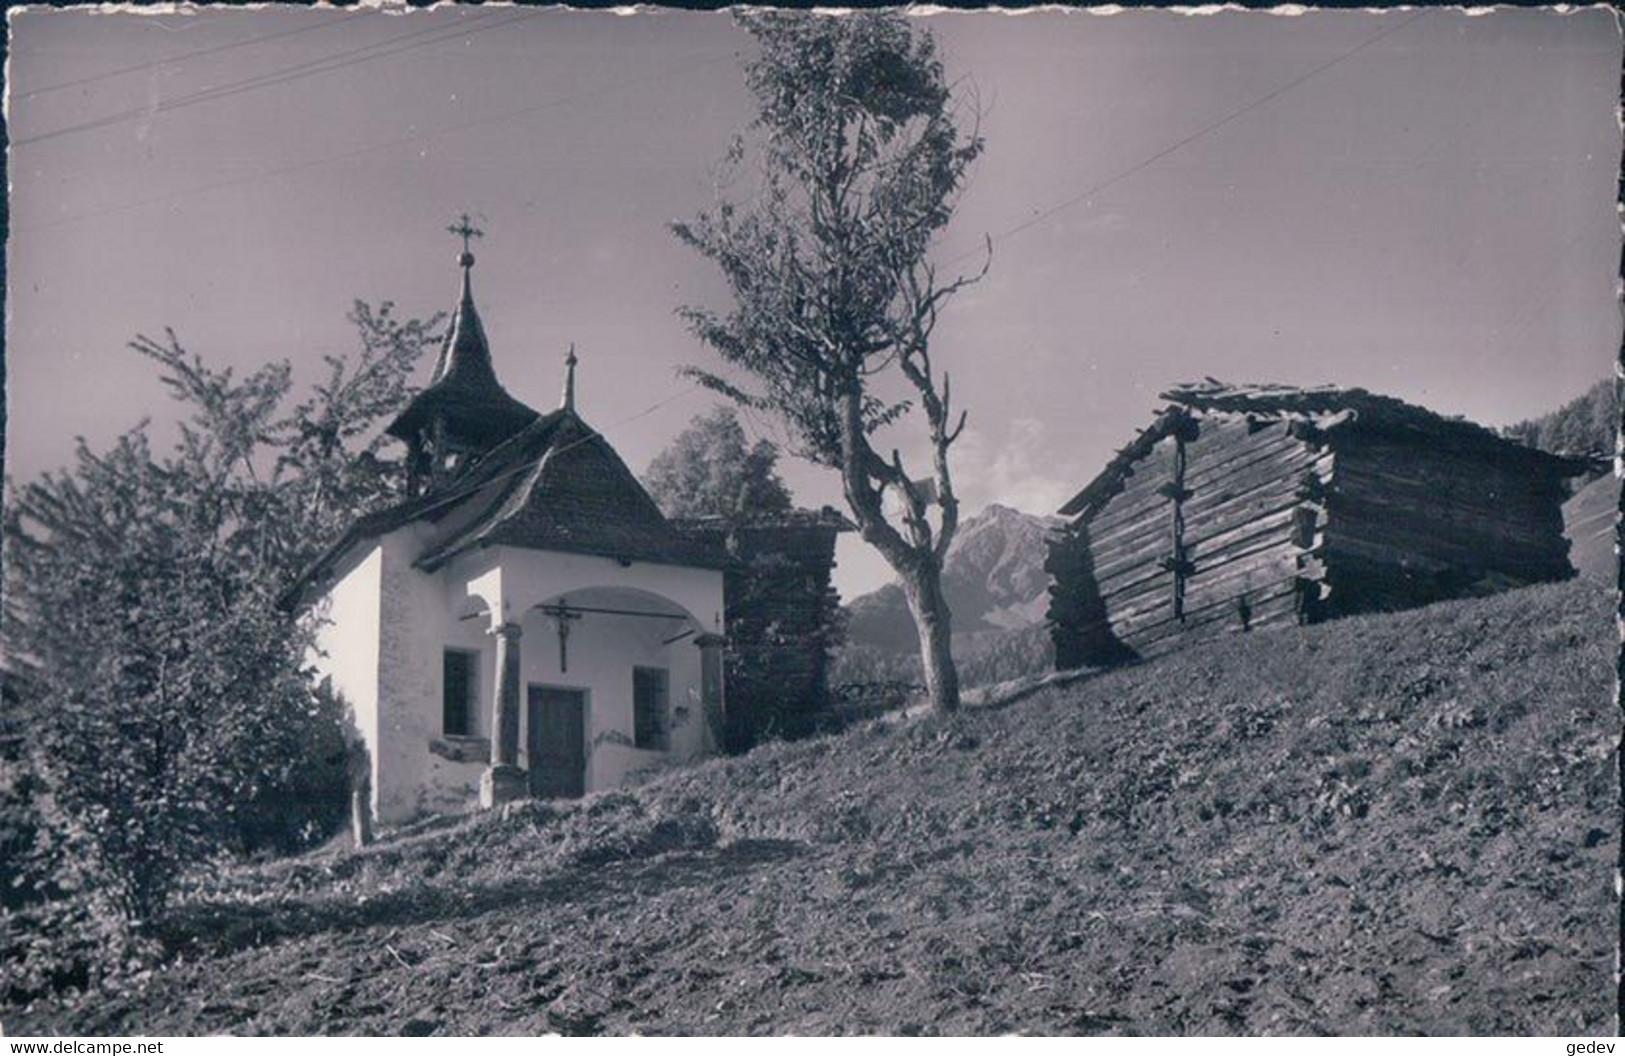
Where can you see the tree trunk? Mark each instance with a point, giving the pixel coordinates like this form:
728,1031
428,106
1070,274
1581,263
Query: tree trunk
922,586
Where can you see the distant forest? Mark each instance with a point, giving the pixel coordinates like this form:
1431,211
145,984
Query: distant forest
1582,426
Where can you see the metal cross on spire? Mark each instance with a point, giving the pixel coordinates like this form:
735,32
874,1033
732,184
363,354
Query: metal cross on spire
465,228
568,400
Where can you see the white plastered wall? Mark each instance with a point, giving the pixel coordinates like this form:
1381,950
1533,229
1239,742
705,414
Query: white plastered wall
346,648
418,617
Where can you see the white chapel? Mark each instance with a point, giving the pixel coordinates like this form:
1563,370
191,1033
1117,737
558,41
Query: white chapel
526,622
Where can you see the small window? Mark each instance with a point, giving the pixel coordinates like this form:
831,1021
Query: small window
459,691
651,709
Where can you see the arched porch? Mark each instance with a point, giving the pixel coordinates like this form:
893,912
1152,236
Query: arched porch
614,673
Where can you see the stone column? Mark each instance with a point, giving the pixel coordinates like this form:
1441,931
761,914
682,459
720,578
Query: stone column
503,781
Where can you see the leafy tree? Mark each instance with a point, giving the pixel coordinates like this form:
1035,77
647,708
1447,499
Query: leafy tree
167,683
861,161
170,715
709,470
19,802
782,617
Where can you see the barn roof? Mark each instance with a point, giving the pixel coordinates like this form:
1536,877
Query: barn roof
1327,406
1324,409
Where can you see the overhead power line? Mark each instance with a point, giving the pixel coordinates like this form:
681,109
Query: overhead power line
314,67
373,148
187,56
1179,144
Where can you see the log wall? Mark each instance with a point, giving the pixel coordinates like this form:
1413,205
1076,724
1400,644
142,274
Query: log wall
1228,541
1411,526
1241,525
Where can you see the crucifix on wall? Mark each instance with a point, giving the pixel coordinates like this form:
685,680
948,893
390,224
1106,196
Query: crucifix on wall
562,615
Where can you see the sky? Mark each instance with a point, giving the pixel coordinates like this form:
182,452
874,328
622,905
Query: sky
1420,203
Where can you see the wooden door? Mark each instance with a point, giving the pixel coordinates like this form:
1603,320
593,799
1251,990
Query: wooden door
558,741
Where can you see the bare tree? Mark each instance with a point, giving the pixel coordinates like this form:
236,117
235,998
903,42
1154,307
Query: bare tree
860,164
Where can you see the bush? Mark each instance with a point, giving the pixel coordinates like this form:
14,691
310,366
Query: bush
67,944
309,803
169,718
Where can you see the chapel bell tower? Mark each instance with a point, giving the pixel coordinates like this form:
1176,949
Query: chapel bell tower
464,412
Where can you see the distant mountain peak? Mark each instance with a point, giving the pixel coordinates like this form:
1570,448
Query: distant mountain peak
998,511
994,579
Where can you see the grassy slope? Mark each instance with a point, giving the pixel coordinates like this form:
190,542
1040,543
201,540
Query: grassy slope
1405,823
1588,521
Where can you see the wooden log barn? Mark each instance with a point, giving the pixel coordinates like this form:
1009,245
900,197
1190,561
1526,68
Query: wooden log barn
1242,507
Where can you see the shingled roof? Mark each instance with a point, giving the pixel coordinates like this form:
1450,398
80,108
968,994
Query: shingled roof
557,485
1323,410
